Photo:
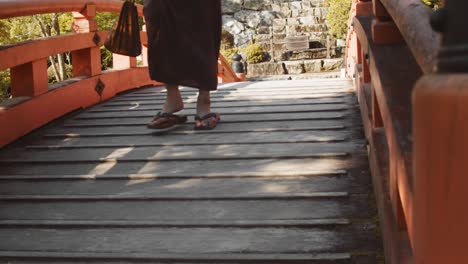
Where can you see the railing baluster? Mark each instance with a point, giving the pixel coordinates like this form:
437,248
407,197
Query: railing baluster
384,30
86,62
30,79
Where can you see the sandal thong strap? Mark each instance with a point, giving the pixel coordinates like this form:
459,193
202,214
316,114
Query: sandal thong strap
205,117
167,115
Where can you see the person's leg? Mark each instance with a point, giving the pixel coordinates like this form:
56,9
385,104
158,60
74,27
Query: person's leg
174,102
203,103
205,119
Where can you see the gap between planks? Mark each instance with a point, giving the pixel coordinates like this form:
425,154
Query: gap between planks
208,223
344,103
331,117
334,109
96,146
192,132
153,159
189,258
120,198
292,174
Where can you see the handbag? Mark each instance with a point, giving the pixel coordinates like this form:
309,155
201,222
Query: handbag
124,37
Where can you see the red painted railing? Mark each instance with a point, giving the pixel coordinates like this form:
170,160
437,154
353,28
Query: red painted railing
35,102
386,65
410,114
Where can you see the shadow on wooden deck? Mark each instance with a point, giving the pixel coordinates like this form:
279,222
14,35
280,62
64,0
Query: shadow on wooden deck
283,178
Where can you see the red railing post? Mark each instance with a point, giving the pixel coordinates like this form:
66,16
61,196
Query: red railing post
86,62
364,8
384,30
30,79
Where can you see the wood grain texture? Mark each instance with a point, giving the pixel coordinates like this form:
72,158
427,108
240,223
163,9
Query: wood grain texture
283,178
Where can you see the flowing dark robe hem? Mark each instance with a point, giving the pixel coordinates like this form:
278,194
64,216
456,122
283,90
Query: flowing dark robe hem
183,41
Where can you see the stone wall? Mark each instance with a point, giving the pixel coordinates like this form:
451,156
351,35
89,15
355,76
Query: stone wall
294,67
271,22
257,19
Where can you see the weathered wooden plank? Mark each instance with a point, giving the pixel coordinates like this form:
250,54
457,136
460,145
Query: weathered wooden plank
240,206
216,187
152,177
149,139
246,96
151,198
82,145
112,161
224,119
296,166
224,106
185,153
173,223
21,257
246,88
256,92
226,128
269,85
230,111
235,103
354,207
188,240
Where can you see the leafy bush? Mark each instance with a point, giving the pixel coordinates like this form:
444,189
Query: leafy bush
4,84
228,53
433,3
337,17
227,40
254,53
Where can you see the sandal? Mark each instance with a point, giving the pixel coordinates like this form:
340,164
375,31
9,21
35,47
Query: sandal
166,121
207,122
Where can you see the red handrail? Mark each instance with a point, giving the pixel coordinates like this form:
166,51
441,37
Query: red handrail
39,104
412,19
388,49
17,8
35,102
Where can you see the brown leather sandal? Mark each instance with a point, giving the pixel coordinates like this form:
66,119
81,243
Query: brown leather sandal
207,122
166,121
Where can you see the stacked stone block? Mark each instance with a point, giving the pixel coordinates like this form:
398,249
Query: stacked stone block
270,22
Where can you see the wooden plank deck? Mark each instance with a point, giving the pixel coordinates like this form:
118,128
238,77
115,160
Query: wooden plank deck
284,178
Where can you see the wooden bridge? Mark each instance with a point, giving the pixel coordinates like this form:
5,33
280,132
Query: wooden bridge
289,176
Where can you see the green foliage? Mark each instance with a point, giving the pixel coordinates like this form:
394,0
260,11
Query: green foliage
4,32
228,53
337,17
106,59
106,20
20,29
227,39
254,53
4,84
433,3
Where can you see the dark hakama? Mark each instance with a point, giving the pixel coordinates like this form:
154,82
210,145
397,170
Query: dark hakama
183,41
